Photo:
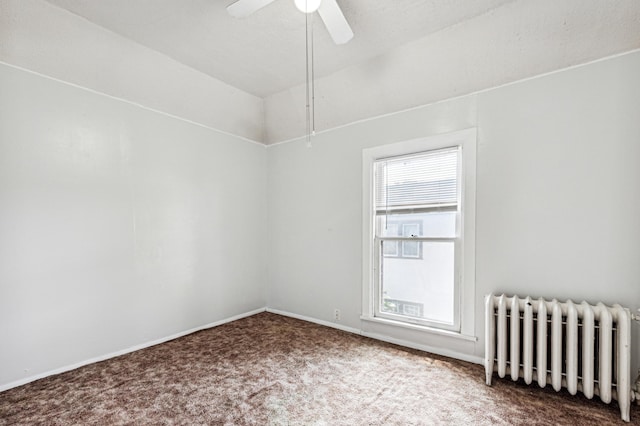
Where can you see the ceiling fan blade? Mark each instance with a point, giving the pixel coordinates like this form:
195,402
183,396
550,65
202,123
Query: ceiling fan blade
335,21
244,8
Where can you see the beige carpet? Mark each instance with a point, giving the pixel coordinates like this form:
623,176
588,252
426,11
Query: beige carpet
273,370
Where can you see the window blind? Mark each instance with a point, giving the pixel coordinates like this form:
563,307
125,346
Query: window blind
417,182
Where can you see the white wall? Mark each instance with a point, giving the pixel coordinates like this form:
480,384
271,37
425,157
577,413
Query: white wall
39,36
118,225
557,204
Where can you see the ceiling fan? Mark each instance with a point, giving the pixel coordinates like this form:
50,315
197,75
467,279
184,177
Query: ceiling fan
329,11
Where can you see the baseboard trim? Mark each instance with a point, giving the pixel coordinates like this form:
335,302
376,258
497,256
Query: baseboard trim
29,379
426,348
315,321
384,338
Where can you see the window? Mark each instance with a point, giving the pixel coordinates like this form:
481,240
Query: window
416,208
418,199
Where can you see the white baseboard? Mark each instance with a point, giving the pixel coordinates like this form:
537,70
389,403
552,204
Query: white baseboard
26,380
426,348
315,321
381,337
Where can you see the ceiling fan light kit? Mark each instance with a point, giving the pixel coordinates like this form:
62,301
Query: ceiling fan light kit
308,6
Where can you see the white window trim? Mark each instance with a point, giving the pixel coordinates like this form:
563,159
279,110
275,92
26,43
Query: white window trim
467,140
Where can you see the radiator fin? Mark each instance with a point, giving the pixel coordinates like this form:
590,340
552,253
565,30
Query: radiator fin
588,333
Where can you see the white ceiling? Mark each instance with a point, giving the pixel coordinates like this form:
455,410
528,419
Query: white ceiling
264,53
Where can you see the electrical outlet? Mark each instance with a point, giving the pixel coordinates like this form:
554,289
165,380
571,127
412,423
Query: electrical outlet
336,314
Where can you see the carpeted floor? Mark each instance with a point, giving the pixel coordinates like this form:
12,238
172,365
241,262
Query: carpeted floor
273,370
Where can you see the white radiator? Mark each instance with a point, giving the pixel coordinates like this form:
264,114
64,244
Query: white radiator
580,347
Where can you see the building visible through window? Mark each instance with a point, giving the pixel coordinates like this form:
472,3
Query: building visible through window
416,216
404,249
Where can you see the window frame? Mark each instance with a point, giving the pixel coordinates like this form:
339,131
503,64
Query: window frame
464,287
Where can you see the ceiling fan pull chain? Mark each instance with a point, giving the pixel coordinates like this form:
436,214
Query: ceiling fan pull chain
308,110
313,85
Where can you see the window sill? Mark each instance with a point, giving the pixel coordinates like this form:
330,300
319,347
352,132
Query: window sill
431,330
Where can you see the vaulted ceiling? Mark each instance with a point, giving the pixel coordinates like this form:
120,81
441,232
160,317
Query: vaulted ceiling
265,53
191,59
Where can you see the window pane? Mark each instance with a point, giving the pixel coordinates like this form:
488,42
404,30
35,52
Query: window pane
410,229
390,248
411,249
420,288
434,225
